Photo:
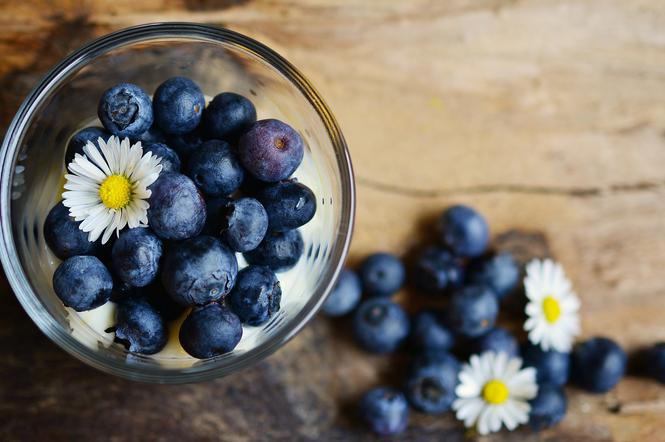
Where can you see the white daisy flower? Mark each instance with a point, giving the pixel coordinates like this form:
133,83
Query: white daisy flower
552,311
107,187
493,390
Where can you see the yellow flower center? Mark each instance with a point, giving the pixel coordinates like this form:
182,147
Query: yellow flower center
552,309
115,192
495,392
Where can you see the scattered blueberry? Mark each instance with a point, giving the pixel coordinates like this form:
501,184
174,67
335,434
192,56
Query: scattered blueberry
210,330
279,250
552,367
125,110
170,161
199,270
178,105
186,144
289,205
228,116
256,296
548,408
472,311
431,388
215,168
498,340
244,224
63,236
380,325
82,283
177,210
345,296
382,274
654,362
81,138
429,333
271,150
464,231
598,364
437,270
499,272
140,327
135,256
385,411
215,215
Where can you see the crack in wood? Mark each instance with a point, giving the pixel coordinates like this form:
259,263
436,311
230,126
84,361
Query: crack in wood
480,189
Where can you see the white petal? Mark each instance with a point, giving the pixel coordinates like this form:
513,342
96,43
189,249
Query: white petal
483,422
96,157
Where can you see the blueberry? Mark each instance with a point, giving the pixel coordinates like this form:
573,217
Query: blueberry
63,236
380,325
186,144
552,367
199,270
244,224
178,105
385,411
464,231
177,210
228,116
382,274
431,387
289,205
170,161
654,362
279,250
81,138
135,256
271,150
163,303
210,331
472,311
498,340
82,283
215,168
428,332
548,407
140,327
215,215
152,136
499,272
437,270
125,110
256,296
345,296
598,364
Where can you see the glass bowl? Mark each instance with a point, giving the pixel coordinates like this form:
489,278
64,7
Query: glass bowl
32,167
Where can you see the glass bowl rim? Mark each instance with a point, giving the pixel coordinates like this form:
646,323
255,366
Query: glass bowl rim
10,148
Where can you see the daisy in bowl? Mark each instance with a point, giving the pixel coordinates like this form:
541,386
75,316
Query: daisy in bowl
107,188
494,390
553,321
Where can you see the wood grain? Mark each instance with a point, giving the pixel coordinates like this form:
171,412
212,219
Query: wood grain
547,115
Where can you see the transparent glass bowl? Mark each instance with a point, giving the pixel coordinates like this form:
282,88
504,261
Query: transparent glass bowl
66,100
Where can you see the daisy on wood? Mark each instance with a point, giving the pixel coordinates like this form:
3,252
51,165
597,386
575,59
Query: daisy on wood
494,390
107,188
553,321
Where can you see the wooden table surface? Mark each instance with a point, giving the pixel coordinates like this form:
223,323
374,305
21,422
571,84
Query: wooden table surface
548,116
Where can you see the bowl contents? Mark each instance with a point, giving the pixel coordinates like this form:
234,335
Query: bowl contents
176,218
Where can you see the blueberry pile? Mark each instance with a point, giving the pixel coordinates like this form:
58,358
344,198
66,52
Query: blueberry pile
468,283
224,189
